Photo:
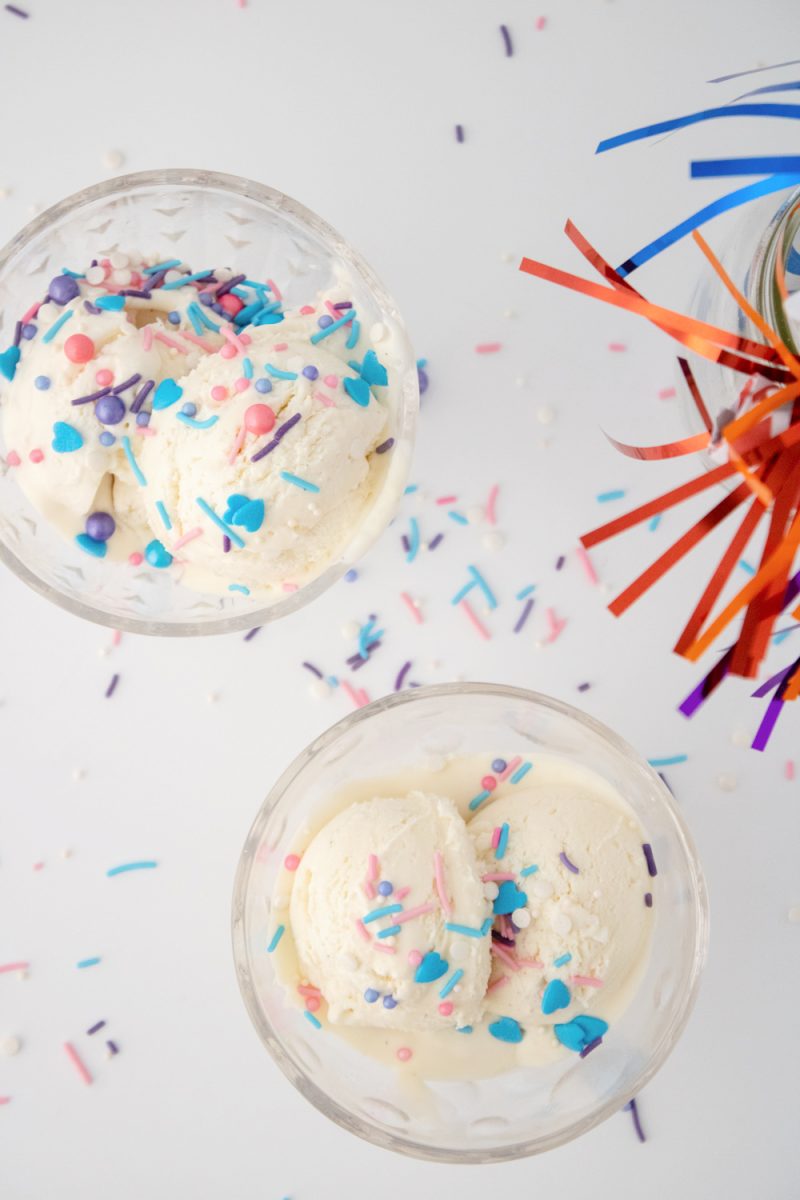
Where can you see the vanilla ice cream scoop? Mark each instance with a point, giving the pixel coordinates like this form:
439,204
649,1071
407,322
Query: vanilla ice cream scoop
388,916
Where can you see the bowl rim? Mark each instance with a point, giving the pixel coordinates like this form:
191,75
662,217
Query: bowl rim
238,186
363,1128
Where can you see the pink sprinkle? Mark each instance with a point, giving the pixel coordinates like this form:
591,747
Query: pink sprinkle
441,887
7,1099
237,445
788,770
362,930
307,310
411,913
147,337
496,837
617,347
412,607
555,624
23,966
404,1053
232,338
510,768
279,346
541,22
373,867
491,516
273,287
168,341
666,393
313,1003
197,341
488,783
187,537
488,347
307,989
36,456
353,695
474,620
587,981
497,877
384,949
447,500
13,459
219,393
38,866
241,385
498,983
445,1008
116,637
289,587
146,431
104,377
292,862
227,351
401,893
323,399
505,956
368,889
586,563
31,313
77,1062
530,962
331,381
414,958
136,559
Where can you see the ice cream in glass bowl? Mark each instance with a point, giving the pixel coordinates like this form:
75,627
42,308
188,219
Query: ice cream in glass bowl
469,923
207,403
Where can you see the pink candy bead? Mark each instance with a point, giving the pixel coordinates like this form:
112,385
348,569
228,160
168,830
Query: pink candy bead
488,783
292,862
228,351
445,1008
312,1003
104,377
136,559
36,456
13,459
218,392
404,1053
259,418
241,385
79,348
414,958
306,310
231,304
331,381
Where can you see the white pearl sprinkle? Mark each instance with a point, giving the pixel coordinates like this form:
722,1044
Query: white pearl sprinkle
350,630
78,773
458,951
123,277
212,697
378,331
491,891
95,276
119,260
727,782
9,1046
545,414
113,160
494,540
318,689
521,918
794,915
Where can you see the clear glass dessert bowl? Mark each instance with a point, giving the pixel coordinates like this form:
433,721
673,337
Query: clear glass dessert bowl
522,1111
219,221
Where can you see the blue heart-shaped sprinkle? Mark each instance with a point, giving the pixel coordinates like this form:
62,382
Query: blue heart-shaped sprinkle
373,370
593,1027
556,996
8,362
358,390
509,897
157,554
110,303
91,545
249,515
65,438
506,1029
235,501
571,1035
166,394
432,967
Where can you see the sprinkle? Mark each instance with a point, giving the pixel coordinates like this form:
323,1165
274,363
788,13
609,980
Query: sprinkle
142,395
411,914
385,911
562,960
526,591
163,266
441,887
87,962
218,521
352,339
586,563
251,633
57,324
404,1053
595,1042
387,949
647,850
474,620
604,497
142,865
668,762
504,955
459,133
560,562
147,337
276,373
491,503
507,43
488,347
17,12
510,768
309,1016
788,769
303,484
497,877
521,773
466,930
491,599
188,537
458,517
112,687
168,341
291,862
137,471
648,899
637,1125
373,867
569,865
96,1027
584,687
587,981
276,937
412,607
531,870
162,512
401,676
478,800
540,23
523,617
501,981
323,333
279,435
239,587
113,1048
77,1062
129,382
502,841
13,966
390,932
434,542
384,446
413,541
362,930
184,279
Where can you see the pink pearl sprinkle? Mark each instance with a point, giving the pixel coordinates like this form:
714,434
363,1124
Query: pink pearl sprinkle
218,392
13,459
488,783
312,1003
331,381
292,862
414,958
228,351
290,587
231,304
404,1053
445,1008
241,385
136,559
36,456
104,377
307,310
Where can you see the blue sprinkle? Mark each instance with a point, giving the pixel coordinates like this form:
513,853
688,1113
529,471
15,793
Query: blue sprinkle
526,591
193,424
466,930
190,410
134,466
276,937
42,382
351,576
66,438
303,484
325,322
491,599
206,319
276,372
390,932
10,357
451,983
502,843
166,394
157,554
745,566
72,274
162,512
263,385
309,1016
226,529
385,911
184,279
499,765
330,326
668,762
353,336
91,546
373,370
570,1035
54,328
247,368
506,1029
389,1002
385,888
412,487
88,962
464,1029
110,303
465,590
529,870
174,317
562,960
604,497
556,996
141,865
357,390
239,587
106,438
458,517
486,926
413,541
432,967
370,995
192,312
476,801
163,266
509,897
520,772
654,522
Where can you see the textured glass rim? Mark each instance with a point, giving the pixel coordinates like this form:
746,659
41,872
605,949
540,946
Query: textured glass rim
238,187
397,1142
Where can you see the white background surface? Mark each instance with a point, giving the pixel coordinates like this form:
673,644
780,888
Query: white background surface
350,106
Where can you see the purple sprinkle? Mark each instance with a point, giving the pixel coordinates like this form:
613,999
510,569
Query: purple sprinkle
18,333
155,281
142,394
314,670
459,133
637,1125
648,899
226,544
584,687
251,633
405,543
231,283
140,295
123,387
526,612
113,1048
106,391
384,446
343,304
434,542
94,1028
112,687
665,781
279,435
560,562
509,47
18,12
401,675
569,865
91,308
590,1046
647,850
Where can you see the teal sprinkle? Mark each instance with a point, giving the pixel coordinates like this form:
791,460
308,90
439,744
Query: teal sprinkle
413,541
203,316
247,367
193,423
604,497
562,960
240,292
197,324
218,521
72,274
251,283
451,983
164,266
531,870
309,1016
358,391
465,590
526,591
110,303
184,279
386,911
745,566
668,762
87,962
354,335
162,512
390,932
412,487
520,772
491,599
298,482
464,1029
142,865
276,372
466,930
458,517
654,523
54,328
323,333
486,926
239,587
422,362
478,800
137,470
502,841
276,937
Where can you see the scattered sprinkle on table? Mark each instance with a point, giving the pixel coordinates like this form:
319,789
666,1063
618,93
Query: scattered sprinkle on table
88,962
112,687
507,43
77,1062
632,1108
488,347
123,868
459,133
616,494
17,12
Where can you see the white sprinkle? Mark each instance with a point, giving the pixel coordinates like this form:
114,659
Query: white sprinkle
541,888
95,275
727,782
9,1046
545,415
119,260
78,773
123,276
459,950
521,918
521,381
66,852
113,160
212,697
349,630
475,514
378,332
507,257
510,313
318,689
740,738
5,192
491,891
493,540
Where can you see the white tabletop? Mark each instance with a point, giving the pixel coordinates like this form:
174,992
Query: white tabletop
351,107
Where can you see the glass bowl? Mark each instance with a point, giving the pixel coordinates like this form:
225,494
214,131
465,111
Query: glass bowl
527,1110
212,219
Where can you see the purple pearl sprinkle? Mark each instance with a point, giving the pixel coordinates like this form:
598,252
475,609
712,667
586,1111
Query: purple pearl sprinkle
100,526
226,544
106,438
351,576
648,899
62,289
311,372
499,765
143,418
385,888
28,331
370,995
42,382
174,317
389,1002
325,321
263,385
189,409
109,410
206,299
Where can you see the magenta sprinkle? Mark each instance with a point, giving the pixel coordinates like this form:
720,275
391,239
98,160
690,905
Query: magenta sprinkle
314,670
18,12
569,865
142,394
251,633
279,435
647,850
459,133
94,396
384,446
434,542
526,612
401,675
95,1027
112,686
637,1124
590,1046
648,899
507,43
